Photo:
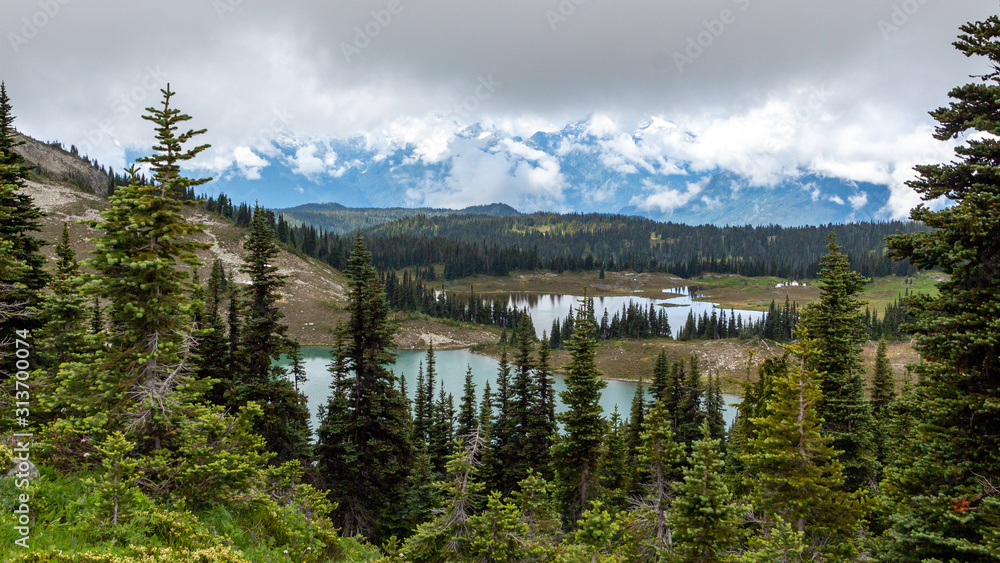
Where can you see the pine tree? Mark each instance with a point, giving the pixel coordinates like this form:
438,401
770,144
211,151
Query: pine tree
21,217
704,517
577,454
213,349
797,473
63,337
524,400
661,455
143,379
467,414
373,431
502,432
285,424
945,475
883,385
836,324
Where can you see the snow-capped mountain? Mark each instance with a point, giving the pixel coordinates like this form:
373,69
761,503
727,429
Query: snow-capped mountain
658,170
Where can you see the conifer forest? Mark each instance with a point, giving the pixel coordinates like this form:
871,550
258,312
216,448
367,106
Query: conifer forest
150,413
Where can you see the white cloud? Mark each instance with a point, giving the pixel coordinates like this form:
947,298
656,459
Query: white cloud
665,198
836,199
306,163
249,163
858,200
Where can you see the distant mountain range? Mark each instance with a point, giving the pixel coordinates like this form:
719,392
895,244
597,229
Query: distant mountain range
580,168
340,219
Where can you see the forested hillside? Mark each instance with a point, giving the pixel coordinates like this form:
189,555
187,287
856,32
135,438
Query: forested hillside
152,415
470,244
338,219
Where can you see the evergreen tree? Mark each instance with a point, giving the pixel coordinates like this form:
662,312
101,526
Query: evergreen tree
21,217
577,454
502,431
285,424
143,378
660,454
467,415
797,474
946,474
525,399
364,450
213,349
704,517
836,324
64,337
883,385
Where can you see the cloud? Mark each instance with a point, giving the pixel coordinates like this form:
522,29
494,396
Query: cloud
665,198
249,163
306,163
858,200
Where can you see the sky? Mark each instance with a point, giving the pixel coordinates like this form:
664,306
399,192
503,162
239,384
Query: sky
841,88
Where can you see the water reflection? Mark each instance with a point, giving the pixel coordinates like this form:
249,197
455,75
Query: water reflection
451,367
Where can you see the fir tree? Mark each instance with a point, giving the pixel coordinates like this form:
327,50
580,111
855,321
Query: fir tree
577,455
836,324
660,454
21,217
797,473
467,414
946,473
704,517
213,349
143,378
364,449
64,337
285,424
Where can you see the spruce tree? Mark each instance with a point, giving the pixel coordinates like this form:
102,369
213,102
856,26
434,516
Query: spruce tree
143,378
704,518
946,473
366,459
883,385
836,323
467,414
20,220
577,454
661,455
213,349
285,424
796,473
64,337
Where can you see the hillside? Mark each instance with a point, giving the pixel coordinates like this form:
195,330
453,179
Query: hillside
311,300
54,163
339,219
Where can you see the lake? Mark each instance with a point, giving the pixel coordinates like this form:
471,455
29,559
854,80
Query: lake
677,303
451,367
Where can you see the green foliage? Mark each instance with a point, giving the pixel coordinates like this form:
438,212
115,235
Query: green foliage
795,472
577,454
661,455
115,494
836,325
704,517
780,543
285,424
363,445
945,468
